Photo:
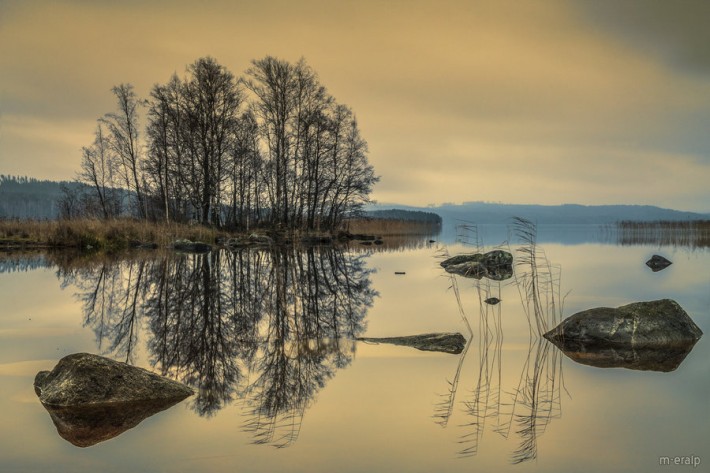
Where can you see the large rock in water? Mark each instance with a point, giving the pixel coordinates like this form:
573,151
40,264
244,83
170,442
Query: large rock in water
91,398
83,379
496,265
452,343
641,324
655,335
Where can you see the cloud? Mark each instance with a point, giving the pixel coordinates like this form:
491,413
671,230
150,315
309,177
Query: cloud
446,92
675,32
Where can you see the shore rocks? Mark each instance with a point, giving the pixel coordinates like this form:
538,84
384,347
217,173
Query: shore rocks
452,343
84,379
655,324
496,265
188,246
315,240
658,263
253,240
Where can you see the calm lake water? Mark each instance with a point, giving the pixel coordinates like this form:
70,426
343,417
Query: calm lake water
268,339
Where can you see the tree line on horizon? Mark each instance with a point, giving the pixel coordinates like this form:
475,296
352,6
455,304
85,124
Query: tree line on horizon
272,148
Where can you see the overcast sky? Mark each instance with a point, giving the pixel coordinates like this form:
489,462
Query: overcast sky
545,101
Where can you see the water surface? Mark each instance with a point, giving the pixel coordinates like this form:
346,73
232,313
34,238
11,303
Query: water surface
268,339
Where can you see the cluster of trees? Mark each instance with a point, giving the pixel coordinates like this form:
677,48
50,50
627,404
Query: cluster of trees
271,148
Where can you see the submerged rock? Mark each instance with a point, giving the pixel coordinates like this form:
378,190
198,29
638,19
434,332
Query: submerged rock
84,379
657,263
647,359
453,343
496,265
188,246
656,324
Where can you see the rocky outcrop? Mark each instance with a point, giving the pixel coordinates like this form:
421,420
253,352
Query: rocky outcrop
188,246
84,379
496,265
657,324
657,263
453,343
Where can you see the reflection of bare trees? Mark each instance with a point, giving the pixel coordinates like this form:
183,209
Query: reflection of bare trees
264,327
13,262
112,294
525,411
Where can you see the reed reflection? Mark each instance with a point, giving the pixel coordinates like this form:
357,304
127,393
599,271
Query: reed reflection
692,234
264,329
522,411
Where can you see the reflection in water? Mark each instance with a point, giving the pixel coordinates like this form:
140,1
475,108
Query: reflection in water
12,262
267,328
645,359
88,425
687,234
527,409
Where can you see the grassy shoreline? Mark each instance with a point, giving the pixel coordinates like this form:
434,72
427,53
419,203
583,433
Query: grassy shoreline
119,234
98,234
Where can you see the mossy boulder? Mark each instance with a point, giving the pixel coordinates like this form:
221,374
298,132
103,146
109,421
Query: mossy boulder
84,379
653,324
496,265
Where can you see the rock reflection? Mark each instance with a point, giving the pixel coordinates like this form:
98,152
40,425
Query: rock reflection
88,425
644,359
262,328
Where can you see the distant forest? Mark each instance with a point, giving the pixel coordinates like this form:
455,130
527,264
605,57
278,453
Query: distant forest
271,148
407,215
28,198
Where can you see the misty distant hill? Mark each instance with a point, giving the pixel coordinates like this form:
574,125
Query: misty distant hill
25,197
28,198
490,213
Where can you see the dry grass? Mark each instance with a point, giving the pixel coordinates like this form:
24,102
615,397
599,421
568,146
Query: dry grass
389,227
98,234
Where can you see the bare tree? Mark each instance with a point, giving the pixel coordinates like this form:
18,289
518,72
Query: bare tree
212,100
98,165
123,137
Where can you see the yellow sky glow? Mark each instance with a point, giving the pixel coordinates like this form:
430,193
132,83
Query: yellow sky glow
521,102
